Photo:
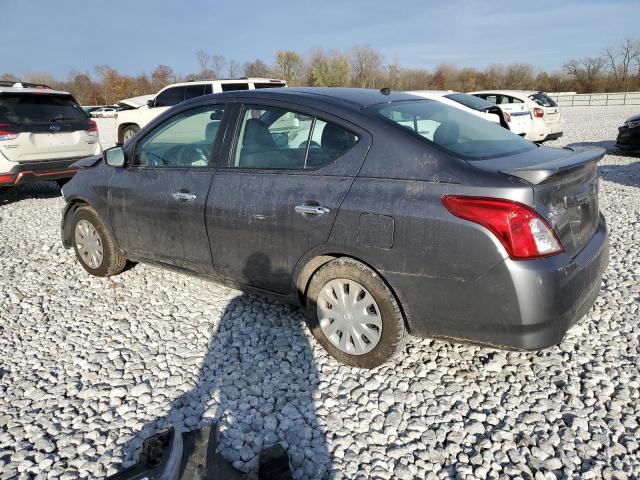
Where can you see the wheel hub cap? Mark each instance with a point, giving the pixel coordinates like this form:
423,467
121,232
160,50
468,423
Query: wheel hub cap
349,316
89,244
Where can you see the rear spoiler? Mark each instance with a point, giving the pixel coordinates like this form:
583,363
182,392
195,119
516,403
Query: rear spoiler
538,173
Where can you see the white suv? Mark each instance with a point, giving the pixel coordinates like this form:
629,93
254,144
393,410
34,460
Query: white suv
546,120
42,132
129,122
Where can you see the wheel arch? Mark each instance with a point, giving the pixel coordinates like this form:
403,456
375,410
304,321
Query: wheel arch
68,211
311,265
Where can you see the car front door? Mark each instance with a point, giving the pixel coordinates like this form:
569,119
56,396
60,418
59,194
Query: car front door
287,173
157,202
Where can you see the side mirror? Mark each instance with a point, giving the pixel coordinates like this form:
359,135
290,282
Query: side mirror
114,157
151,103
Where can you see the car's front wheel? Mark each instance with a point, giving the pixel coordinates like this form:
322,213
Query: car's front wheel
94,247
129,132
354,315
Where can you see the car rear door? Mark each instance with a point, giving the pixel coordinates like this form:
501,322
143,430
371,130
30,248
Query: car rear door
49,126
157,202
276,198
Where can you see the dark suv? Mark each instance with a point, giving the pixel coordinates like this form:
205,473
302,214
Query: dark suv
383,213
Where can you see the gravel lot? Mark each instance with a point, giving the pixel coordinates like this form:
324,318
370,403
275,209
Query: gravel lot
89,367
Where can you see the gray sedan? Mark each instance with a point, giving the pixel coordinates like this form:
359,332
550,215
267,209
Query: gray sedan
381,213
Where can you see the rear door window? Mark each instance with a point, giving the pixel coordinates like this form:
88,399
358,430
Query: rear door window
277,138
21,108
170,97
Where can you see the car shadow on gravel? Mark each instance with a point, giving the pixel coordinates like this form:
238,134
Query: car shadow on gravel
257,383
30,190
627,175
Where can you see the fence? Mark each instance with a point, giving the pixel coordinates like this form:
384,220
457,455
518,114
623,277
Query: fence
595,99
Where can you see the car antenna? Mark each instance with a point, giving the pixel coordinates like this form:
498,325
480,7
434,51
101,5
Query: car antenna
385,91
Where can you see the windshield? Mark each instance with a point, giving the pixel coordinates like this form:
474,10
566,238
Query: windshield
543,100
470,101
453,130
29,108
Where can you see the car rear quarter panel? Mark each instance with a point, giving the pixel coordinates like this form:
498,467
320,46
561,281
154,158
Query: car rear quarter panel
432,260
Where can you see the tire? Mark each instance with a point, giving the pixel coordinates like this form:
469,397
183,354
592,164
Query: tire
129,132
360,280
112,262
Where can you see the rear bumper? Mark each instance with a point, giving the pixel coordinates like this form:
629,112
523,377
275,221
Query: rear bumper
524,305
38,171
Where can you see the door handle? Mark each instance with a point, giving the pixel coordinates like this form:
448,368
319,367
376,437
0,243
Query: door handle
312,209
183,196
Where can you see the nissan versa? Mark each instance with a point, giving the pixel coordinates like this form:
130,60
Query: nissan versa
382,213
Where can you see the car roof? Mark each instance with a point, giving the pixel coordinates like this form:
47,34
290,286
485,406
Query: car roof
39,91
354,98
513,93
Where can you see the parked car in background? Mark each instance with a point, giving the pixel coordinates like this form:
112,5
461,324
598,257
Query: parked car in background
408,215
547,122
629,135
42,132
105,112
129,122
468,103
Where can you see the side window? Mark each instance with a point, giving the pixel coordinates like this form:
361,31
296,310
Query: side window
193,91
508,99
271,137
328,143
185,140
170,97
208,90
490,98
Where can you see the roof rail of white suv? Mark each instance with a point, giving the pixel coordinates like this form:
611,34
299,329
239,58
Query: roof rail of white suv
9,83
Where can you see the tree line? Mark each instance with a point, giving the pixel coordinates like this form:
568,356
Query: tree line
616,68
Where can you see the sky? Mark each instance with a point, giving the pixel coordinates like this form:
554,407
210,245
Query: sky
134,36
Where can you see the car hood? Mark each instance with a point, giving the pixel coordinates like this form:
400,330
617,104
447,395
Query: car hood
135,102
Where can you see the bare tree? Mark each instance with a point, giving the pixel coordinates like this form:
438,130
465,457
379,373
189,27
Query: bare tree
621,59
586,72
257,68
203,59
162,76
217,64
519,76
234,69
366,64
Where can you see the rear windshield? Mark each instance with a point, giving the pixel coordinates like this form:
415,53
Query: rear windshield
453,130
470,101
543,100
29,108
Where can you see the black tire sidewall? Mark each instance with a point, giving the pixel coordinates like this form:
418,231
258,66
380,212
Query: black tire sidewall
107,254
393,328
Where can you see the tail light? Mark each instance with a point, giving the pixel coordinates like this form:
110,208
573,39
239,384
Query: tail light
538,112
4,179
92,128
522,231
507,117
7,133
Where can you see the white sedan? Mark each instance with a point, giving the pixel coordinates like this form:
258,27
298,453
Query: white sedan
105,112
468,103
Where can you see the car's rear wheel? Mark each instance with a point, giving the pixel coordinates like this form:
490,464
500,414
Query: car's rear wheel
93,244
129,132
354,315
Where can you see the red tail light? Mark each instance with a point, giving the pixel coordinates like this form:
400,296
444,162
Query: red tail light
522,232
538,112
92,128
4,179
7,133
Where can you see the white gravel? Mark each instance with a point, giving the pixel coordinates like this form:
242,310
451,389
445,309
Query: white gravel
90,366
